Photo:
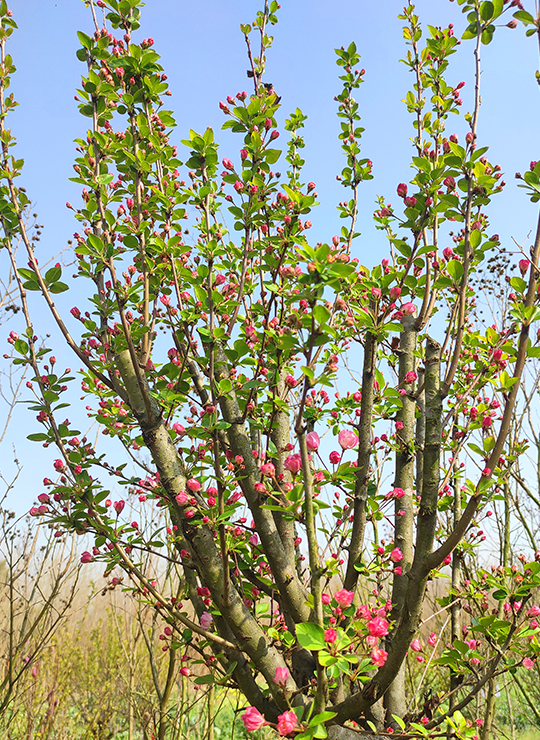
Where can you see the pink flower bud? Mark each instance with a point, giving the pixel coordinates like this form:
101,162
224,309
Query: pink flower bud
118,506
312,441
402,190
347,439
330,635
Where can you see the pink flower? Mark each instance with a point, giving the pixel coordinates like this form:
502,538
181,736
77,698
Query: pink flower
410,202
206,620
118,506
416,645
58,466
330,635
378,627
228,164
287,722
399,425
402,190
325,598
178,428
395,292
486,472
376,293
268,469
281,677
334,457
534,611
293,463
432,639
449,182
378,657
185,671
411,376
193,485
253,720
344,598
528,663
313,441
347,439
523,266
182,498
396,555
87,557
398,570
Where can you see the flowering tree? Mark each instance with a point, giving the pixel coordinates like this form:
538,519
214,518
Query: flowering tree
308,524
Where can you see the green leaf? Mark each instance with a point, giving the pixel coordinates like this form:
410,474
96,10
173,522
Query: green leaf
38,437
486,11
310,636
399,721
455,269
475,238
58,288
321,314
320,718
523,16
85,40
105,179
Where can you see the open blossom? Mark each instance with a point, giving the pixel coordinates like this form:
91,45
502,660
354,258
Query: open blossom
313,441
378,627
344,598
347,439
206,620
528,663
293,463
281,677
411,376
396,555
378,657
287,722
330,635
253,720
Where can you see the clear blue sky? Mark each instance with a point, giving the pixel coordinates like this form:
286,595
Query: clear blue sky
203,54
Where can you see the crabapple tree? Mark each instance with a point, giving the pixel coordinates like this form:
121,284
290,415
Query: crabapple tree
312,526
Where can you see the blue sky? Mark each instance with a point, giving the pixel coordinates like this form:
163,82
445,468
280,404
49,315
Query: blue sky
203,54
